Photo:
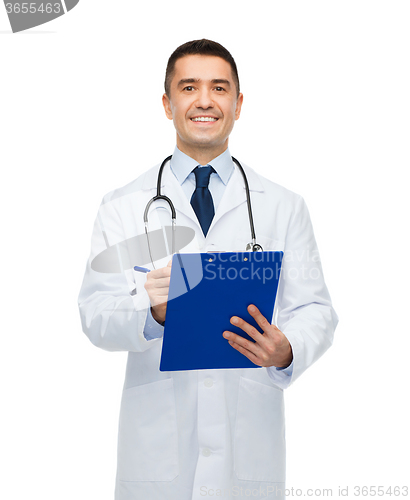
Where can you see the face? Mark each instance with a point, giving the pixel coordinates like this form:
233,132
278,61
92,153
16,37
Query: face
203,104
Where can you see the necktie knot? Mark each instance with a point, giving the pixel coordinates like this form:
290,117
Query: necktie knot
202,175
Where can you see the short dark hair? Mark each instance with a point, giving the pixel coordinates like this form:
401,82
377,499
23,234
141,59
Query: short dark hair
202,47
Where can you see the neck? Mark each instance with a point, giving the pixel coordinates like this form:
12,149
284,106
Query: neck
202,155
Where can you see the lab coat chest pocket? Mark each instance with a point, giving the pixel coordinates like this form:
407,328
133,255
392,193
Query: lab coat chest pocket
259,449
147,440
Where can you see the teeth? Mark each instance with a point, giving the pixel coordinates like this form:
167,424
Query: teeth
204,119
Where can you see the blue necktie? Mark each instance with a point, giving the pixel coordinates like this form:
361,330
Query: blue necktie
201,200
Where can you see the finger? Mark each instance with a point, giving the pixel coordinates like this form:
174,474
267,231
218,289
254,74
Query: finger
250,355
162,272
247,328
169,263
157,287
244,343
158,292
158,282
259,318
158,301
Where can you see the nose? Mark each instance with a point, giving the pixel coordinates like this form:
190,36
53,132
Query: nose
204,99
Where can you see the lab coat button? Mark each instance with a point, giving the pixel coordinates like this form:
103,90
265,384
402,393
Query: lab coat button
208,382
206,452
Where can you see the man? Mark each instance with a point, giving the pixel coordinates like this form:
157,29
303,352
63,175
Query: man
186,435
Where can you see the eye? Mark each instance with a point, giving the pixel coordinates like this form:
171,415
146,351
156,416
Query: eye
189,88
219,89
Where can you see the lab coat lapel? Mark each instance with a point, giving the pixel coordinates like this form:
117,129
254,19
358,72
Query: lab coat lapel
171,188
234,195
235,192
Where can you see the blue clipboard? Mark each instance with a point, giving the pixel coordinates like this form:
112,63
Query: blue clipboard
206,290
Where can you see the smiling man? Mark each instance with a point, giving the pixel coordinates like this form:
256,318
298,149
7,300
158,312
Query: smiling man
203,100
197,433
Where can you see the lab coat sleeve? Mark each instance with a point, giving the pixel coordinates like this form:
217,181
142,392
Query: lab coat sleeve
152,329
282,377
304,309
113,305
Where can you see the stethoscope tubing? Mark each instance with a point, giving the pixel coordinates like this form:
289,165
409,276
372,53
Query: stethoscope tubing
254,246
248,201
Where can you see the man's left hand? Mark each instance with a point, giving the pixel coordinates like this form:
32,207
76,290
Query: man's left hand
271,348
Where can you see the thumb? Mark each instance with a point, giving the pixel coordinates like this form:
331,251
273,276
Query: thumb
169,263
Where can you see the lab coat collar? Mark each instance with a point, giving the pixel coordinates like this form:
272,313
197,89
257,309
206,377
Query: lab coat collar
235,192
182,165
151,176
234,195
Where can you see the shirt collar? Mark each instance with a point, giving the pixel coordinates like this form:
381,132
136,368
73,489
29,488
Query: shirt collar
182,165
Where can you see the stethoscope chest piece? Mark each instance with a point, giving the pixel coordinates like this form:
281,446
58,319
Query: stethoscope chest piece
253,247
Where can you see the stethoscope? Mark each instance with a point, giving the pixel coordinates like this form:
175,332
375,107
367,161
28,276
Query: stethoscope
255,247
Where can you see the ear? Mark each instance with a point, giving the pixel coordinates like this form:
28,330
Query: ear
167,106
238,106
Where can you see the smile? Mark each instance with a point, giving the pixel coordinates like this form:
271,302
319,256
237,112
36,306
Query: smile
204,119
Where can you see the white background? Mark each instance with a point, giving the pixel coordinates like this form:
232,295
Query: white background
326,114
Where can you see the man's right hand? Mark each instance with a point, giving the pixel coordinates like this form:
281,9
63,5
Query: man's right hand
157,286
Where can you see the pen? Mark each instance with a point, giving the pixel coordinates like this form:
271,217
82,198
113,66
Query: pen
142,269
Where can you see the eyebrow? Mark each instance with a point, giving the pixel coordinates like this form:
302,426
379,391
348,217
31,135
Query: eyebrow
184,81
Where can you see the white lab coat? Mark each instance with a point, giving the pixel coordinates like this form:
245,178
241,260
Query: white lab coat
193,434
